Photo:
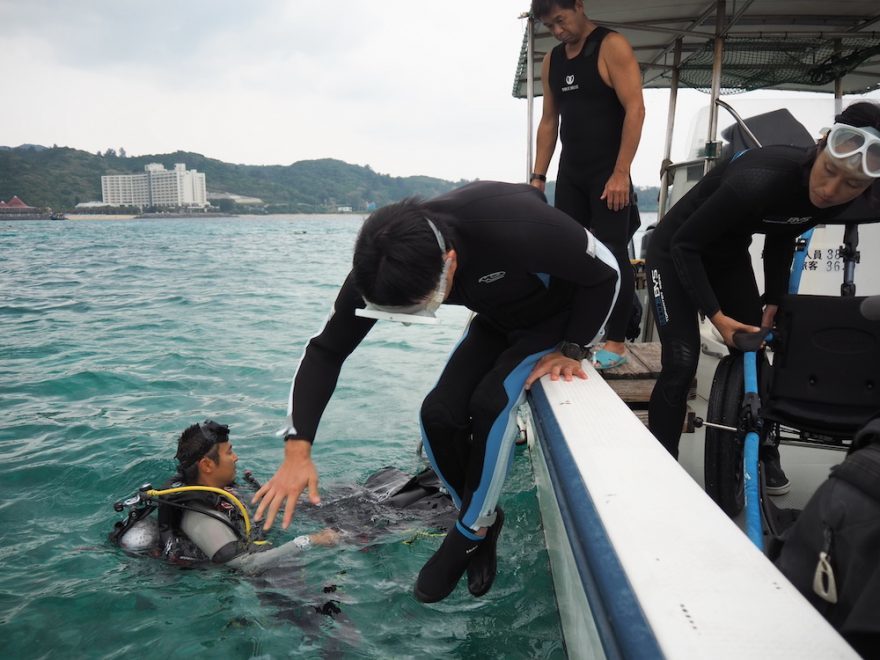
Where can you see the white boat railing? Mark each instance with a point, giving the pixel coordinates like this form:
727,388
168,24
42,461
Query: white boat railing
645,564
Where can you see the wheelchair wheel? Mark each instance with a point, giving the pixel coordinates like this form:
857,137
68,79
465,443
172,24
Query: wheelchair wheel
723,459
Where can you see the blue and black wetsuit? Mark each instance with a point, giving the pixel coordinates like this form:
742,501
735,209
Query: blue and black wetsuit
591,125
699,261
533,277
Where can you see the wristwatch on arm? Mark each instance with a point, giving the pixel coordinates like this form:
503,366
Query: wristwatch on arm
572,350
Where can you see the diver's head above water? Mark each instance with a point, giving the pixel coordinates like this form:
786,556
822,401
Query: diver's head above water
205,456
404,263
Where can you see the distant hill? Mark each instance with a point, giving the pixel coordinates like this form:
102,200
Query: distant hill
61,178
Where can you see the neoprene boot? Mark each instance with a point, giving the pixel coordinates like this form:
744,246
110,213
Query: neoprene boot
483,565
444,569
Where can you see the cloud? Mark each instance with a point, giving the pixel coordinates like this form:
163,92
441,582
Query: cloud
409,88
406,87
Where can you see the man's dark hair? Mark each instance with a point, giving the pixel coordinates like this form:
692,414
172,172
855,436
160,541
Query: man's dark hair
194,444
541,8
397,259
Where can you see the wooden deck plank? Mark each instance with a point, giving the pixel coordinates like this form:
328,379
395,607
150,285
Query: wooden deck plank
639,391
634,381
644,362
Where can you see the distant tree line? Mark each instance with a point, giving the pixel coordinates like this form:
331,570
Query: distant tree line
61,177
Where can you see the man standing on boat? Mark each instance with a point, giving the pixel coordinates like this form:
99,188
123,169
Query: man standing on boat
542,288
592,83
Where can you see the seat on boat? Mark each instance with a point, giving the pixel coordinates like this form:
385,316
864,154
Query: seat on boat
775,127
825,377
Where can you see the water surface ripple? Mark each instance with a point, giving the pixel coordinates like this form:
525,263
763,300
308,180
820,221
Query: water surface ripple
114,336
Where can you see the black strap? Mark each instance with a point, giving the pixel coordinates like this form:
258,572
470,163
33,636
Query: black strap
862,470
868,434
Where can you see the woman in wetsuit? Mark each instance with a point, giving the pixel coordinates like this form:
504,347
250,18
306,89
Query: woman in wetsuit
698,259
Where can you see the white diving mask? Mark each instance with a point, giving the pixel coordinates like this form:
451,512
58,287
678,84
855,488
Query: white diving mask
424,312
856,146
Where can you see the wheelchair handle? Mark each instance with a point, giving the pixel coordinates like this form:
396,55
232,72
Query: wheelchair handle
870,308
750,341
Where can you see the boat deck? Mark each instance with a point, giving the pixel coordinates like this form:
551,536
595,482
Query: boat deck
634,381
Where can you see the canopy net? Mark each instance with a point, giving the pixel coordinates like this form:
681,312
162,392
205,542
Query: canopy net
757,62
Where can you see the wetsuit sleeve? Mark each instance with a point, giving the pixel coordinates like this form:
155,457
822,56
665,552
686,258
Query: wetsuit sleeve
778,254
318,371
553,245
727,212
256,561
212,536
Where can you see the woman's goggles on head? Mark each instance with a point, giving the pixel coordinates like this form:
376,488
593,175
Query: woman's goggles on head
423,312
845,142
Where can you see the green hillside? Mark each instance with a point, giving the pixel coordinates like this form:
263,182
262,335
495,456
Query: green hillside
61,177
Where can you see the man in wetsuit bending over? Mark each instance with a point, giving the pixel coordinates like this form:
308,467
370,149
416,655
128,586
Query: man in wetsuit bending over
592,83
541,287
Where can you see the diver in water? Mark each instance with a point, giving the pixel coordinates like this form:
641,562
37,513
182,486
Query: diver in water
202,519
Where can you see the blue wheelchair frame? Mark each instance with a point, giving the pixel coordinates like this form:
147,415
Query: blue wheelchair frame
749,423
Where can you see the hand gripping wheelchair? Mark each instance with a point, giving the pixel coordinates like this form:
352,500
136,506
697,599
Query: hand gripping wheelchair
822,386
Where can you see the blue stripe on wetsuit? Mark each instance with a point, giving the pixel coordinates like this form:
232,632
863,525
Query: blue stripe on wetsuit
500,438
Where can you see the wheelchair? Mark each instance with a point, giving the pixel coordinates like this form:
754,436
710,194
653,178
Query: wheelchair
822,385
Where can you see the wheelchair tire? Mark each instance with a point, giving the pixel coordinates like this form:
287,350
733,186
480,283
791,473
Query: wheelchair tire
723,458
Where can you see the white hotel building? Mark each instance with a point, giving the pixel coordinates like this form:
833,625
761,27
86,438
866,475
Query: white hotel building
156,187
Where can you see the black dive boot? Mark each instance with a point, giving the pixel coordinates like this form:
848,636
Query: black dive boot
481,570
444,569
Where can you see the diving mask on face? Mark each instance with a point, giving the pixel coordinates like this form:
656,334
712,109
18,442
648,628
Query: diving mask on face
424,312
850,143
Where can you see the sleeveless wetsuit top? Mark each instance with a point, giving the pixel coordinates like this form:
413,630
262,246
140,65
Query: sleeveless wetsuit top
591,114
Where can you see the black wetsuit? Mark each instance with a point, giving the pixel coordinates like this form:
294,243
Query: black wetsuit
534,277
591,125
699,261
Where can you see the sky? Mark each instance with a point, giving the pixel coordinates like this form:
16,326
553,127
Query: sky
408,87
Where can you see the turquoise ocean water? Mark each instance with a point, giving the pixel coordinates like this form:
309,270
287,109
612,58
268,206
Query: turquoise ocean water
114,336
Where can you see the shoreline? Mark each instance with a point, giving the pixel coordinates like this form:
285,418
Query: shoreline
98,216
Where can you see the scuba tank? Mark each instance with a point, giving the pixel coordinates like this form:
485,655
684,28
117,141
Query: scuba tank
161,535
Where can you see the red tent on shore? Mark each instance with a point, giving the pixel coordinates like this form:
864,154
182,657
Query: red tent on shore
16,203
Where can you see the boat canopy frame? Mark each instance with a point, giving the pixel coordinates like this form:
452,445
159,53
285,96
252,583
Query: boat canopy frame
727,46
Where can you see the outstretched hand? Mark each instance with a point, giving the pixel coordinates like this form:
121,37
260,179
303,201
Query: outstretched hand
296,474
556,364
